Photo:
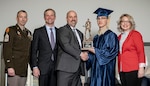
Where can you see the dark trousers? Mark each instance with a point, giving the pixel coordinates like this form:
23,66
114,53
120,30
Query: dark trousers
48,79
130,78
145,81
68,79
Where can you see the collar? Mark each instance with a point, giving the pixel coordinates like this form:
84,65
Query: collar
21,27
126,32
53,27
102,31
72,27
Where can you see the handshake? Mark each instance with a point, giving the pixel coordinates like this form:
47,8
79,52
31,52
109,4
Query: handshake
84,55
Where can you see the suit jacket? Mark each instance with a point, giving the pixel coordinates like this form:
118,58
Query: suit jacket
16,49
69,50
132,52
41,50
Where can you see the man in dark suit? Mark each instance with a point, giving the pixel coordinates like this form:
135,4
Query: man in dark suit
44,50
70,57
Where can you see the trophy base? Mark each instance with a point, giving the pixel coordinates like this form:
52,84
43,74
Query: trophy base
84,49
87,45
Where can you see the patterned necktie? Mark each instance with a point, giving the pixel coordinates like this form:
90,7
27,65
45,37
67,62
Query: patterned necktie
52,43
52,39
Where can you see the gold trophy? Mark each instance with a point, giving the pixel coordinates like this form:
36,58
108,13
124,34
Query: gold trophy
87,42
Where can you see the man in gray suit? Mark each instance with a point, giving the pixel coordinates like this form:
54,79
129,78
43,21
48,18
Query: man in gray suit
70,58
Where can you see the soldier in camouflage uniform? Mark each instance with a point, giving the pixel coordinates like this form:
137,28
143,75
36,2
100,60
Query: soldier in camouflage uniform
16,50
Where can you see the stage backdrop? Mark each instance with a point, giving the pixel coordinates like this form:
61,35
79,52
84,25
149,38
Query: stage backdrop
139,9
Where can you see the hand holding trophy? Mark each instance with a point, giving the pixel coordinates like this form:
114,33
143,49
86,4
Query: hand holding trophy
87,42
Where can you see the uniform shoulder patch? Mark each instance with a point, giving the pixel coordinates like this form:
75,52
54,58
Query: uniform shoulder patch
6,36
7,30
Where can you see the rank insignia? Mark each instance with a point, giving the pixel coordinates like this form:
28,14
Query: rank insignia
18,33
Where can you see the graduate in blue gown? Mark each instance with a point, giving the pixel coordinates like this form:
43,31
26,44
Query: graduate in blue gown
102,57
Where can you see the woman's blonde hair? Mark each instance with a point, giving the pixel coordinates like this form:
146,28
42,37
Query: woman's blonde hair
131,20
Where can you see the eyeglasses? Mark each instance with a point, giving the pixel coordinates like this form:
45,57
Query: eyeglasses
102,18
125,21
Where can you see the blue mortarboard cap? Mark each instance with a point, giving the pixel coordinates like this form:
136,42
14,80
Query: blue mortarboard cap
103,12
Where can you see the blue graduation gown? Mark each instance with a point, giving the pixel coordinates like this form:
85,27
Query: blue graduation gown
102,63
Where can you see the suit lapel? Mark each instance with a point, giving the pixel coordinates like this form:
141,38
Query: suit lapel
21,32
80,35
75,38
128,37
45,36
